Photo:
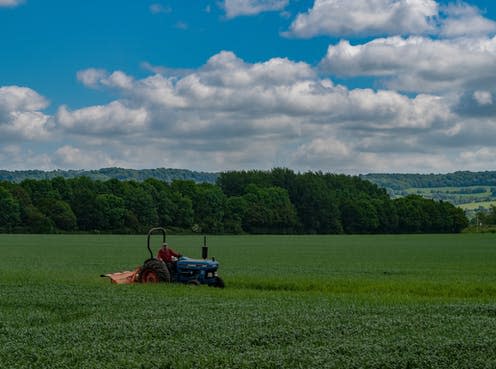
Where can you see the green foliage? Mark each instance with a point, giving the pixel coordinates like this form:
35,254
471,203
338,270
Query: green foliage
34,221
140,202
398,181
105,174
9,209
111,212
268,210
316,203
277,201
359,216
60,213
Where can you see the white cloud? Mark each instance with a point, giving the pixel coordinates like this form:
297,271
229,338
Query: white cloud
323,149
14,98
10,3
95,78
417,63
22,157
390,18
483,97
91,77
484,156
464,20
20,115
114,118
236,8
233,114
75,158
369,17
479,159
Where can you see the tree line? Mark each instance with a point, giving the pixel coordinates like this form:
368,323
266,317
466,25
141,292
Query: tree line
276,201
104,174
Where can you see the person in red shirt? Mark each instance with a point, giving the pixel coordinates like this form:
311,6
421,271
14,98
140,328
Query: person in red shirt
166,254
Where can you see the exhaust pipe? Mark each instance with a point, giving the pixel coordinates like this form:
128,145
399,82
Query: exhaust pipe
204,248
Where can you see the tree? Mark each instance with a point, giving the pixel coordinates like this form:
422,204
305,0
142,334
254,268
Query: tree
359,216
36,221
9,210
83,202
268,210
409,214
60,213
208,205
234,214
111,212
183,211
141,204
316,205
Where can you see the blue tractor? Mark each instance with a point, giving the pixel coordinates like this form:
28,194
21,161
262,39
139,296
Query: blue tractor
184,270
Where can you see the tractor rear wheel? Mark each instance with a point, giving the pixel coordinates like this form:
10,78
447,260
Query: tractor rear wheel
154,271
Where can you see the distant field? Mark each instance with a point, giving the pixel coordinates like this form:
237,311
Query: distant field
477,205
423,301
468,198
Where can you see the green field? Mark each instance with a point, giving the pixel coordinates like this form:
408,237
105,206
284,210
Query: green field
468,198
424,301
476,205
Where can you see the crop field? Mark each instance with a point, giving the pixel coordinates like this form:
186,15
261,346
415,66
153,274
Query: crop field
477,205
405,301
468,198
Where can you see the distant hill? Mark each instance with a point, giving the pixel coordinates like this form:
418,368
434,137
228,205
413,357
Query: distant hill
398,181
470,190
163,174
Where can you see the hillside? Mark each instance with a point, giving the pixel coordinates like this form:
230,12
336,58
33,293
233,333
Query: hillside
469,190
163,174
400,181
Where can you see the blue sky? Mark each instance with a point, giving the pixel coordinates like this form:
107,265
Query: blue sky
332,85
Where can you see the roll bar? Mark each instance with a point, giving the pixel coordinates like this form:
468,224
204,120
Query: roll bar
154,230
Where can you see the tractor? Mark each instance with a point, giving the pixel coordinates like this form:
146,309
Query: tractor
183,270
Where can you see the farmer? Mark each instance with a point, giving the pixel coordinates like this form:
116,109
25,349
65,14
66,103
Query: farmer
166,254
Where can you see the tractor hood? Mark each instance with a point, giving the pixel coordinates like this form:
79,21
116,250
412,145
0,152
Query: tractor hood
203,264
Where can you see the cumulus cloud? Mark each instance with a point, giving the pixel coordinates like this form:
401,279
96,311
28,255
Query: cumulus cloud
95,78
114,118
20,115
483,98
464,20
231,114
23,157
417,64
482,157
236,8
390,18
370,17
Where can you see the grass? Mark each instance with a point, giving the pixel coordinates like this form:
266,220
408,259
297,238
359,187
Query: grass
423,301
456,195
477,205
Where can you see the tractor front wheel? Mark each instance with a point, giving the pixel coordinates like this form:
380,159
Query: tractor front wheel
219,282
154,271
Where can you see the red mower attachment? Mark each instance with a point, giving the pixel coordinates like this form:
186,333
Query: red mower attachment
125,277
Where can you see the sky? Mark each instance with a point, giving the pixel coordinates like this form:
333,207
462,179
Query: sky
342,86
